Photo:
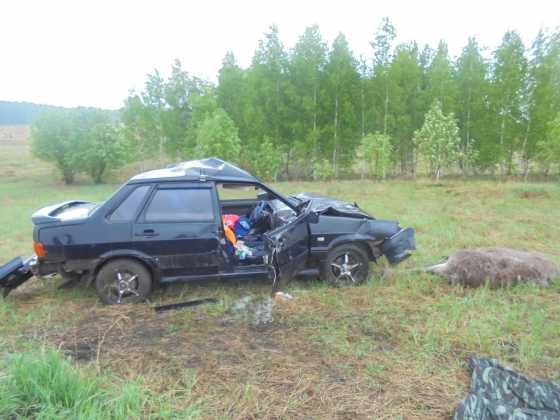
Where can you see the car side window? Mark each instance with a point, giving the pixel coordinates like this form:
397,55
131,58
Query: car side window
181,205
128,209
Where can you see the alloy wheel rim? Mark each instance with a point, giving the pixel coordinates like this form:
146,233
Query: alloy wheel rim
344,267
124,285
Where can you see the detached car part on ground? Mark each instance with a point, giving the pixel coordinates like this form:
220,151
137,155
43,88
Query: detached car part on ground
167,225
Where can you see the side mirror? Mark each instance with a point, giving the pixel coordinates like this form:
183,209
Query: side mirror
313,218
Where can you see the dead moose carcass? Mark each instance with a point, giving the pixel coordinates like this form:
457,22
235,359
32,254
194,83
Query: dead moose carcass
499,267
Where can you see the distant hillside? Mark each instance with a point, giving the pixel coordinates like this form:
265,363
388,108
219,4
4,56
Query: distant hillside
22,113
19,113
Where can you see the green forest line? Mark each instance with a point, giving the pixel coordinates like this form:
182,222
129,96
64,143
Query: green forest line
319,112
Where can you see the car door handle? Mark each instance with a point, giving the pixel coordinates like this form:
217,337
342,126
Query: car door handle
147,233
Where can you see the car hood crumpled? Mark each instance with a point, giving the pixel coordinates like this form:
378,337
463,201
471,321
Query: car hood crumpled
331,206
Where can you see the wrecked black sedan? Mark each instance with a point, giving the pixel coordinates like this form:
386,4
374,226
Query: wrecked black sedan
201,220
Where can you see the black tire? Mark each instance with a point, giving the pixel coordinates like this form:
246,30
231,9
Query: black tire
345,265
123,280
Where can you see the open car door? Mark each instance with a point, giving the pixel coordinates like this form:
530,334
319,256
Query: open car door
288,247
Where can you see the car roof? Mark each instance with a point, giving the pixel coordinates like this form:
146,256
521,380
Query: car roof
214,169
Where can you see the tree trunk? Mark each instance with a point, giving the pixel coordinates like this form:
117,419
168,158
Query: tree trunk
335,167
315,139
526,152
510,159
314,108
97,173
403,158
288,157
276,125
161,150
414,162
68,175
363,113
386,115
502,134
161,138
466,158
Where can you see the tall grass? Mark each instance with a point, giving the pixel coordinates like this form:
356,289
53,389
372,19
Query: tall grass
44,385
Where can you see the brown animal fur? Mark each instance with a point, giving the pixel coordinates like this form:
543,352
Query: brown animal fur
499,267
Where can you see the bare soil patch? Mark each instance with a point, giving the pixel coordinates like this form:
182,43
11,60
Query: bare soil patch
14,134
531,195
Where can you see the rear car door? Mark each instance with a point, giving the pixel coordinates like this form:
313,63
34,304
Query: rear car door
179,226
288,247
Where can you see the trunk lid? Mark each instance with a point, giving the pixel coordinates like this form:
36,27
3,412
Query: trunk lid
68,211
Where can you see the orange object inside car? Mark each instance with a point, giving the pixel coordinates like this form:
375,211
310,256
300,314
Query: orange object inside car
229,221
230,235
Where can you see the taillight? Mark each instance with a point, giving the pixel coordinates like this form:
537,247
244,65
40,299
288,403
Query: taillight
39,249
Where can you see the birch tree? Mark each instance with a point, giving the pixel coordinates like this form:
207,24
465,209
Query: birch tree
306,68
438,140
508,86
343,86
376,154
231,92
382,57
543,94
217,136
548,149
471,107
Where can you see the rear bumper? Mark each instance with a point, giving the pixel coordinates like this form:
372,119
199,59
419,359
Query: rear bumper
397,247
40,269
16,272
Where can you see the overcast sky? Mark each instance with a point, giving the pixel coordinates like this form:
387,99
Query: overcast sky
92,52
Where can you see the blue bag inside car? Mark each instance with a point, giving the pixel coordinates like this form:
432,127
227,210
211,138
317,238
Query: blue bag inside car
242,227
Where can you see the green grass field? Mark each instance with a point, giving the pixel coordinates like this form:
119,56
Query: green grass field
393,348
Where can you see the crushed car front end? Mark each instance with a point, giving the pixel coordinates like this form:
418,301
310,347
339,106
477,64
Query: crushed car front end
342,222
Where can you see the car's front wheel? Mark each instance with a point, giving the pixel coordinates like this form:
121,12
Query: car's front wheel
345,265
123,280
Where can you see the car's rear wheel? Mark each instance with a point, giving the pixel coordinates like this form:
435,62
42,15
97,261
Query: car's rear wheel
123,280
345,265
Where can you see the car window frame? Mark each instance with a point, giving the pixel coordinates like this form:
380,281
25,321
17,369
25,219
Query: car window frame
265,188
219,186
140,209
141,219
